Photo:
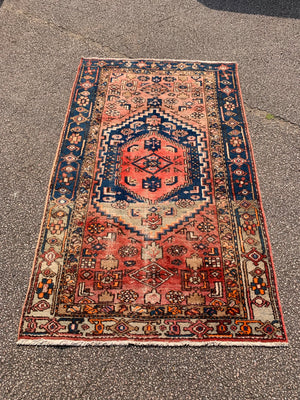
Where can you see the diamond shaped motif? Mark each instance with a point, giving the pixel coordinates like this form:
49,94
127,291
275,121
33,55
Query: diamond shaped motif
52,326
152,163
152,275
254,256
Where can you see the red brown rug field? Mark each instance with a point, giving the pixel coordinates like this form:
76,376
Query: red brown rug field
153,230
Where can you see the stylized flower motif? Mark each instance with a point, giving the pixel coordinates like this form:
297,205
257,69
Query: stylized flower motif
241,182
206,227
229,106
175,296
152,252
128,251
197,115
75,138
127,296
65,179
45,288
235,141
83,101
249,224
153,221
57,226
258,285
177,250
95,228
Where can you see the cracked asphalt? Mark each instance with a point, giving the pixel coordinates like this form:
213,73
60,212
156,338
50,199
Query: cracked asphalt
41,45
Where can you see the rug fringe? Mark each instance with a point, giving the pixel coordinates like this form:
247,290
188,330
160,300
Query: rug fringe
63,342
156,59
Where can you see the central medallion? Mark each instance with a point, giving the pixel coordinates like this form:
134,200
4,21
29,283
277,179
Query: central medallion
152,173
152,166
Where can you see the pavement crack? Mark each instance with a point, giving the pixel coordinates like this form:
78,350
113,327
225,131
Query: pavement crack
63,29
164,19
262,113
159,21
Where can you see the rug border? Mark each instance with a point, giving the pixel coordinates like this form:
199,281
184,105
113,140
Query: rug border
125,342
56,158
259,198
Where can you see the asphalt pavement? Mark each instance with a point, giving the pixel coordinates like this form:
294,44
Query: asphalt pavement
41,42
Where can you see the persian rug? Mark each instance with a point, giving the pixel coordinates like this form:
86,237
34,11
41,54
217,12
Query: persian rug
153,231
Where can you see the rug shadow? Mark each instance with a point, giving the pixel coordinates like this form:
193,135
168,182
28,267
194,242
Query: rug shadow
275,8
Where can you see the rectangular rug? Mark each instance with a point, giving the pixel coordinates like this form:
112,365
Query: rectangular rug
153,231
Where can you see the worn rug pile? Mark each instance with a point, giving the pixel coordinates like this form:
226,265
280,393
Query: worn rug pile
153,231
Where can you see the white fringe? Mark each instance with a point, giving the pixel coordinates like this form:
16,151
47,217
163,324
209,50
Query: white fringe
63,342
156,60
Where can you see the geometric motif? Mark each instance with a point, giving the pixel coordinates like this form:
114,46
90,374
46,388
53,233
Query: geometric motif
152,275
154,231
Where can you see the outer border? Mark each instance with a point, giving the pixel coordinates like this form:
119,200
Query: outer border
260,199
48,193
213,342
